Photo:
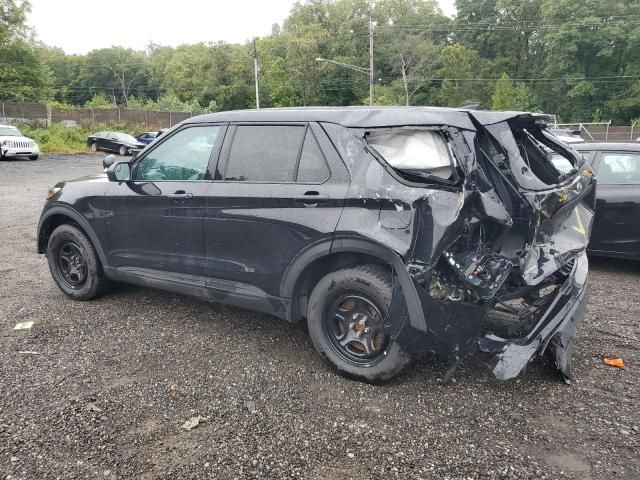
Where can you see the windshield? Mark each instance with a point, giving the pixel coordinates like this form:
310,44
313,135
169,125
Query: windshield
123,137
10,132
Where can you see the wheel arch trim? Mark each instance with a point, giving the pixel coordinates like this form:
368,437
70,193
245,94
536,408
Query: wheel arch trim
356,245
77,218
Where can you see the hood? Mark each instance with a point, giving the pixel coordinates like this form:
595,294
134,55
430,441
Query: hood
96,178
13,138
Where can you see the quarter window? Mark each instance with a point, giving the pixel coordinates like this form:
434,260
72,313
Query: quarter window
264,153
619,168
183,156
313,166
416,151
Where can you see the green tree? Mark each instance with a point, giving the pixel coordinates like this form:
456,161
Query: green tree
508,95
99,101
459,65
23,75
589,58
117,72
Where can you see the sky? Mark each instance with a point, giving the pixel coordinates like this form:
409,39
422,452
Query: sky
79,26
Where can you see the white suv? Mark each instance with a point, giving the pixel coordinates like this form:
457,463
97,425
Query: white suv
14,144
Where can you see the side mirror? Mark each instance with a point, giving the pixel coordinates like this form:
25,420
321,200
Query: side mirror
119,172
108,161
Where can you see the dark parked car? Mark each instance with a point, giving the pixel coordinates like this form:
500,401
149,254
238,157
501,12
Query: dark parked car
390,230
121,143
147,137
616,228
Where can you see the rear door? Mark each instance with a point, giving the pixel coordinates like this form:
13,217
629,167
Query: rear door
111,142
279,189
102,140
617,223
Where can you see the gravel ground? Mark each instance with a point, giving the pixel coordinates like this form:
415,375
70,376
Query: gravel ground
101,389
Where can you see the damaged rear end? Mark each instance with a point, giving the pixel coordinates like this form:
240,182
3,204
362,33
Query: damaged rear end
497,258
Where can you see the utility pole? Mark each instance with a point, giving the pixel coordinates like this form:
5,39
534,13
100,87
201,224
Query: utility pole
255,73
371,54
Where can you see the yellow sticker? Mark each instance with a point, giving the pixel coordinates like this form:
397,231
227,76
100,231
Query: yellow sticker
580,227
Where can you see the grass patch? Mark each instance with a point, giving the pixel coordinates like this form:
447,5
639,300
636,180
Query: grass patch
59,139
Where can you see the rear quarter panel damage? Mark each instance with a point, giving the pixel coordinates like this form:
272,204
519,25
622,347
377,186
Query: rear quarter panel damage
422,224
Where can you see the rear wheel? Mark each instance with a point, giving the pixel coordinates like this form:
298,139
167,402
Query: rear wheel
124,151
74,263
93,147
346,313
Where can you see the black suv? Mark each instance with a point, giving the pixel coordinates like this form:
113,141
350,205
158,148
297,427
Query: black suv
390,230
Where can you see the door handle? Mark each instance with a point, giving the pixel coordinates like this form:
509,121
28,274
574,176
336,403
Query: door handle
180,194
312,197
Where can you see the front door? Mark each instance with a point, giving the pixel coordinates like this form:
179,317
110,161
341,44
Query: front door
156,221
280,189
616,227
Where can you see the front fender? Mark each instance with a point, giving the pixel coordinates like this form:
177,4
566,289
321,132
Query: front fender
51,215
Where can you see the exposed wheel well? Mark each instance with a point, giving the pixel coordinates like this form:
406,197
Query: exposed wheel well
320,267
49,225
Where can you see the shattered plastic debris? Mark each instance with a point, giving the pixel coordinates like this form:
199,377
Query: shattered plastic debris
613,362
93,407
23,326
193,422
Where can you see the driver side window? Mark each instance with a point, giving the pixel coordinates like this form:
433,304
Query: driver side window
183,156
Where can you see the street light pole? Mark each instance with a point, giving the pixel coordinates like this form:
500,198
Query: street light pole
370,60
255,74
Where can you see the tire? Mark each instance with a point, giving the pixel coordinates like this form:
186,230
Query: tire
123,151
89,282
33,157
369,286
93,147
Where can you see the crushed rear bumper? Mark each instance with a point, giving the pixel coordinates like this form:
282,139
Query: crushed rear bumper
556,329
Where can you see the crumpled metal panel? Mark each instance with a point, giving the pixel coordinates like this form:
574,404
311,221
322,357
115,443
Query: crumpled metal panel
421,222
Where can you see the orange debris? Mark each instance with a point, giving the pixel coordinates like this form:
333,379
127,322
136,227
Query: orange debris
613,362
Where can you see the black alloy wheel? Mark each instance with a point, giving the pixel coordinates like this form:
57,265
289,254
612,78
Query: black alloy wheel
72,264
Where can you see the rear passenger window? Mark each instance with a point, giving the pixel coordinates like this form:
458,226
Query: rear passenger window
264,153
619,168
313,166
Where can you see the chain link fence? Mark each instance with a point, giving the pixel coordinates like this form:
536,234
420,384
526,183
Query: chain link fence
89,117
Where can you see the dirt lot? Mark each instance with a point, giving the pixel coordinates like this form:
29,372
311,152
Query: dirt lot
101,389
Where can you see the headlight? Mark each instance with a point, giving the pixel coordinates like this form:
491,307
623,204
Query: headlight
52,191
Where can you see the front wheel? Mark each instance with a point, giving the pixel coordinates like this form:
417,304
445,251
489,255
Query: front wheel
93,147
33,157
123,151
74,263
347,309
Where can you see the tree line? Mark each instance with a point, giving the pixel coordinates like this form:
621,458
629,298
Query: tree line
578,59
